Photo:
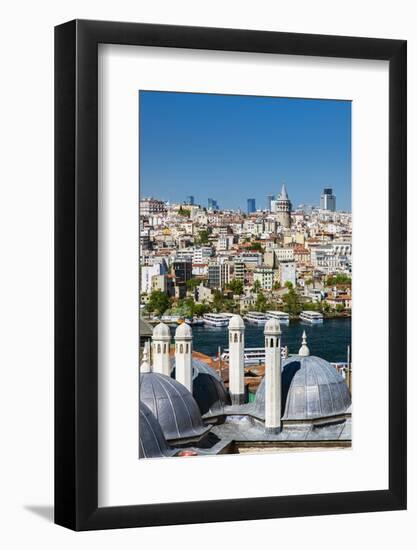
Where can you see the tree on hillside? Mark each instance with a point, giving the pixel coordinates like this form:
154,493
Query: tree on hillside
261,302
339,279
256,247
201,309
184,212
158,302
193,283
236,286
292,304
203,236
256,286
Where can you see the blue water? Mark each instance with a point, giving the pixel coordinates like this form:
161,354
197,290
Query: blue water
328,340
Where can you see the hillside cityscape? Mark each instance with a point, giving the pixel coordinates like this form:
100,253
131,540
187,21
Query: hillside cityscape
201,259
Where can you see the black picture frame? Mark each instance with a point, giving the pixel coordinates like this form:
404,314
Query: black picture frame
76,272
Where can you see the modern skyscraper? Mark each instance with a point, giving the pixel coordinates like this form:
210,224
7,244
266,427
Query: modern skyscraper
328,200
212,204
190,200
251,206
269,199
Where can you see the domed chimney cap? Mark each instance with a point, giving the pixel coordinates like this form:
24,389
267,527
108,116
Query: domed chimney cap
236,323
161,332
272,327
184,331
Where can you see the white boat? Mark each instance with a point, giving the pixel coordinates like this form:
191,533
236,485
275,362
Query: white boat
256,318
216,319
251,356
283,318
312,317
195,321
171,319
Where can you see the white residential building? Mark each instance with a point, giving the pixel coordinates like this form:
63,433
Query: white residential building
265,276
287,273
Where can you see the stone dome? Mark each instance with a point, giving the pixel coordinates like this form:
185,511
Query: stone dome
152,443
161,332
173,406
236,323
272,326
209,390
184,331
311,388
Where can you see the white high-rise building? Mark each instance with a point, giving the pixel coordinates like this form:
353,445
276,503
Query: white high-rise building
328,200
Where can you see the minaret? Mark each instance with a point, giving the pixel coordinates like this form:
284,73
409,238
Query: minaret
272,376
283,208
183,356
236,359
304,350
161,338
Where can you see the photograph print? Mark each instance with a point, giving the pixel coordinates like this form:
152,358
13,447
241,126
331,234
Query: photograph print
245,275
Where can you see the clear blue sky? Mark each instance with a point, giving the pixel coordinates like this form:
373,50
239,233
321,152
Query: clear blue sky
231,148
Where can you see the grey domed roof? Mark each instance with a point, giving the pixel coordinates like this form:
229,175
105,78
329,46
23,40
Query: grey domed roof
152,443
208,388
311,388
173,406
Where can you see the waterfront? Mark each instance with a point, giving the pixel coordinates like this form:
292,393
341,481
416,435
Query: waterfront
328,340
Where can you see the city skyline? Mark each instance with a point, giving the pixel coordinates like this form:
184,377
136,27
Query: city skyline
237,147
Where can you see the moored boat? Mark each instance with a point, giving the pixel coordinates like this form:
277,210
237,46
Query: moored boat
312,317
256,317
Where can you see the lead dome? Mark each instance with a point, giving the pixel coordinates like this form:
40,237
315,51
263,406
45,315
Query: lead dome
209,390
311,389
173,406
152,443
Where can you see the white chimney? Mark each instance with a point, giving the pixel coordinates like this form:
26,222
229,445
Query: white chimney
183,356
272,334
161,338
304,351
236,359
145,366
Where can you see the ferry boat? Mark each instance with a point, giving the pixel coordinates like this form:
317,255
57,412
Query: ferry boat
252,356
312,317
283,318
195,321
172,320
216,319
256,317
